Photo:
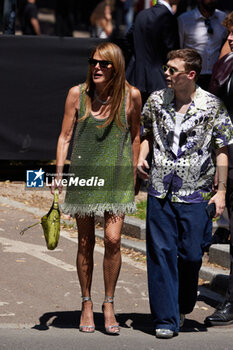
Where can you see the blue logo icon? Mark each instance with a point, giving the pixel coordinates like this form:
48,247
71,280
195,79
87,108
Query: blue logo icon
35,178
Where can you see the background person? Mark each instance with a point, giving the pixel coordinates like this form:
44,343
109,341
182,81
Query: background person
201,29
180,124
222,85
101,21
124,14
106,143
153,35
9,15
29,20
225,49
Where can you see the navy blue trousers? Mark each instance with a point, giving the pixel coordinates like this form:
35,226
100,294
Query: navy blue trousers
177,234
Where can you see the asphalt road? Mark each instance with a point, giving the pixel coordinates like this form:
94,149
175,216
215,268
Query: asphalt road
40,297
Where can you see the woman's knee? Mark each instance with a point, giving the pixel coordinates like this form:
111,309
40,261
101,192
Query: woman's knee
86,233
112,243
86,239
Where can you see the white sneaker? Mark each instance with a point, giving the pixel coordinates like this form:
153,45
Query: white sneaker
164,333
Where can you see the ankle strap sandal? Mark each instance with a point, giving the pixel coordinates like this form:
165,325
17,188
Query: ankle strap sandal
86,299
112,329
108,300
86,328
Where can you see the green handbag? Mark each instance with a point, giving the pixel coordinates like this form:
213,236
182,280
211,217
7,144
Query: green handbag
50,224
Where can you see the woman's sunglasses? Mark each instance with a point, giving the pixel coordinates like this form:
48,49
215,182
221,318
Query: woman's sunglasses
172,70
102,63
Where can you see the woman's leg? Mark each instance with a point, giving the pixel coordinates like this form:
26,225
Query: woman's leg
86,243
111,264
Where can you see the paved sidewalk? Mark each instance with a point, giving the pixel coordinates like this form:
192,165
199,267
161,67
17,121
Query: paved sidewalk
40,287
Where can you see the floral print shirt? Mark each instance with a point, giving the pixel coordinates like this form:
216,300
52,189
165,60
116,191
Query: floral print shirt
205,126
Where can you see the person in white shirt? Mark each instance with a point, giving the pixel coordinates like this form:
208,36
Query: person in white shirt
201,29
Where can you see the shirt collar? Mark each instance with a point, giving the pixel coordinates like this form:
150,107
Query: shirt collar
199,98
165,3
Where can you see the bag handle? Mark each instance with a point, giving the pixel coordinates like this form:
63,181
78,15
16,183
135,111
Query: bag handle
55,200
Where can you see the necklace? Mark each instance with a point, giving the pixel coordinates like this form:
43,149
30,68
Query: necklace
99,100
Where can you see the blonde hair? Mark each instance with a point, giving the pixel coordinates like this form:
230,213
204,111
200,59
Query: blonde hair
115,87
99,12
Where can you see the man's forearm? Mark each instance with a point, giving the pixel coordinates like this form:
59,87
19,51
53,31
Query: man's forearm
222,167
144,149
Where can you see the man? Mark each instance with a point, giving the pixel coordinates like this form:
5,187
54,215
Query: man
181,124
30,22
124,13
9,14
202,30
222,86
155,33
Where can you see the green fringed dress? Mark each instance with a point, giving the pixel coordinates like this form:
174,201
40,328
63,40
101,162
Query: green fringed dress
101,170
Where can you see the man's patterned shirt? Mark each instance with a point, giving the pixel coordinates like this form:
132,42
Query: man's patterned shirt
205,126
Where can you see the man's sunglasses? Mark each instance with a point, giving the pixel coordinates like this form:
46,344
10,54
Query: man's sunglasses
102,63
172,70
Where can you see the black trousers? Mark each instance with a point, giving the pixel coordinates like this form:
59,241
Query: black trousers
229,201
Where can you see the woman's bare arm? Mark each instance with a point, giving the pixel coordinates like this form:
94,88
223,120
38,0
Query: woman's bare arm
69,119
134,105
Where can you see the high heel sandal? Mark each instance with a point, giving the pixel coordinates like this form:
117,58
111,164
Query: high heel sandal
90,329
115,327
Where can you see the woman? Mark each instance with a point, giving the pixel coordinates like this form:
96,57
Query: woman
101,20
106,146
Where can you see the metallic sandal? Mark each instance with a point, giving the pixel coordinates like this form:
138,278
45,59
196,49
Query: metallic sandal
109,328
90,329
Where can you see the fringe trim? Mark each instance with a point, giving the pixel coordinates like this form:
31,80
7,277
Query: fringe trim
82,210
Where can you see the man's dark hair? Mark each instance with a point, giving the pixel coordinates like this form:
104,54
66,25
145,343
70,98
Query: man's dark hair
191,57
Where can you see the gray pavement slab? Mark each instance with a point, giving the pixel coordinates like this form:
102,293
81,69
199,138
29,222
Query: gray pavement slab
129,339
37,282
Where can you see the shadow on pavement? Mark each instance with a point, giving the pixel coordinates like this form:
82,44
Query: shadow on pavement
70,319
59,319
208,300
137,321
192,326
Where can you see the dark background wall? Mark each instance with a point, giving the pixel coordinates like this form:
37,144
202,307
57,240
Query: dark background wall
36,75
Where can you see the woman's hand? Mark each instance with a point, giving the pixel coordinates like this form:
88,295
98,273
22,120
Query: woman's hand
57,183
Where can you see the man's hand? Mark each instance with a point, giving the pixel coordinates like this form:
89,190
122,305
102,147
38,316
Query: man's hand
143,164
220,202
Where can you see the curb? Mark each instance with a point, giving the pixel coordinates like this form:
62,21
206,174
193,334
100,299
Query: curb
220,254
127,243
132,227
217,278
